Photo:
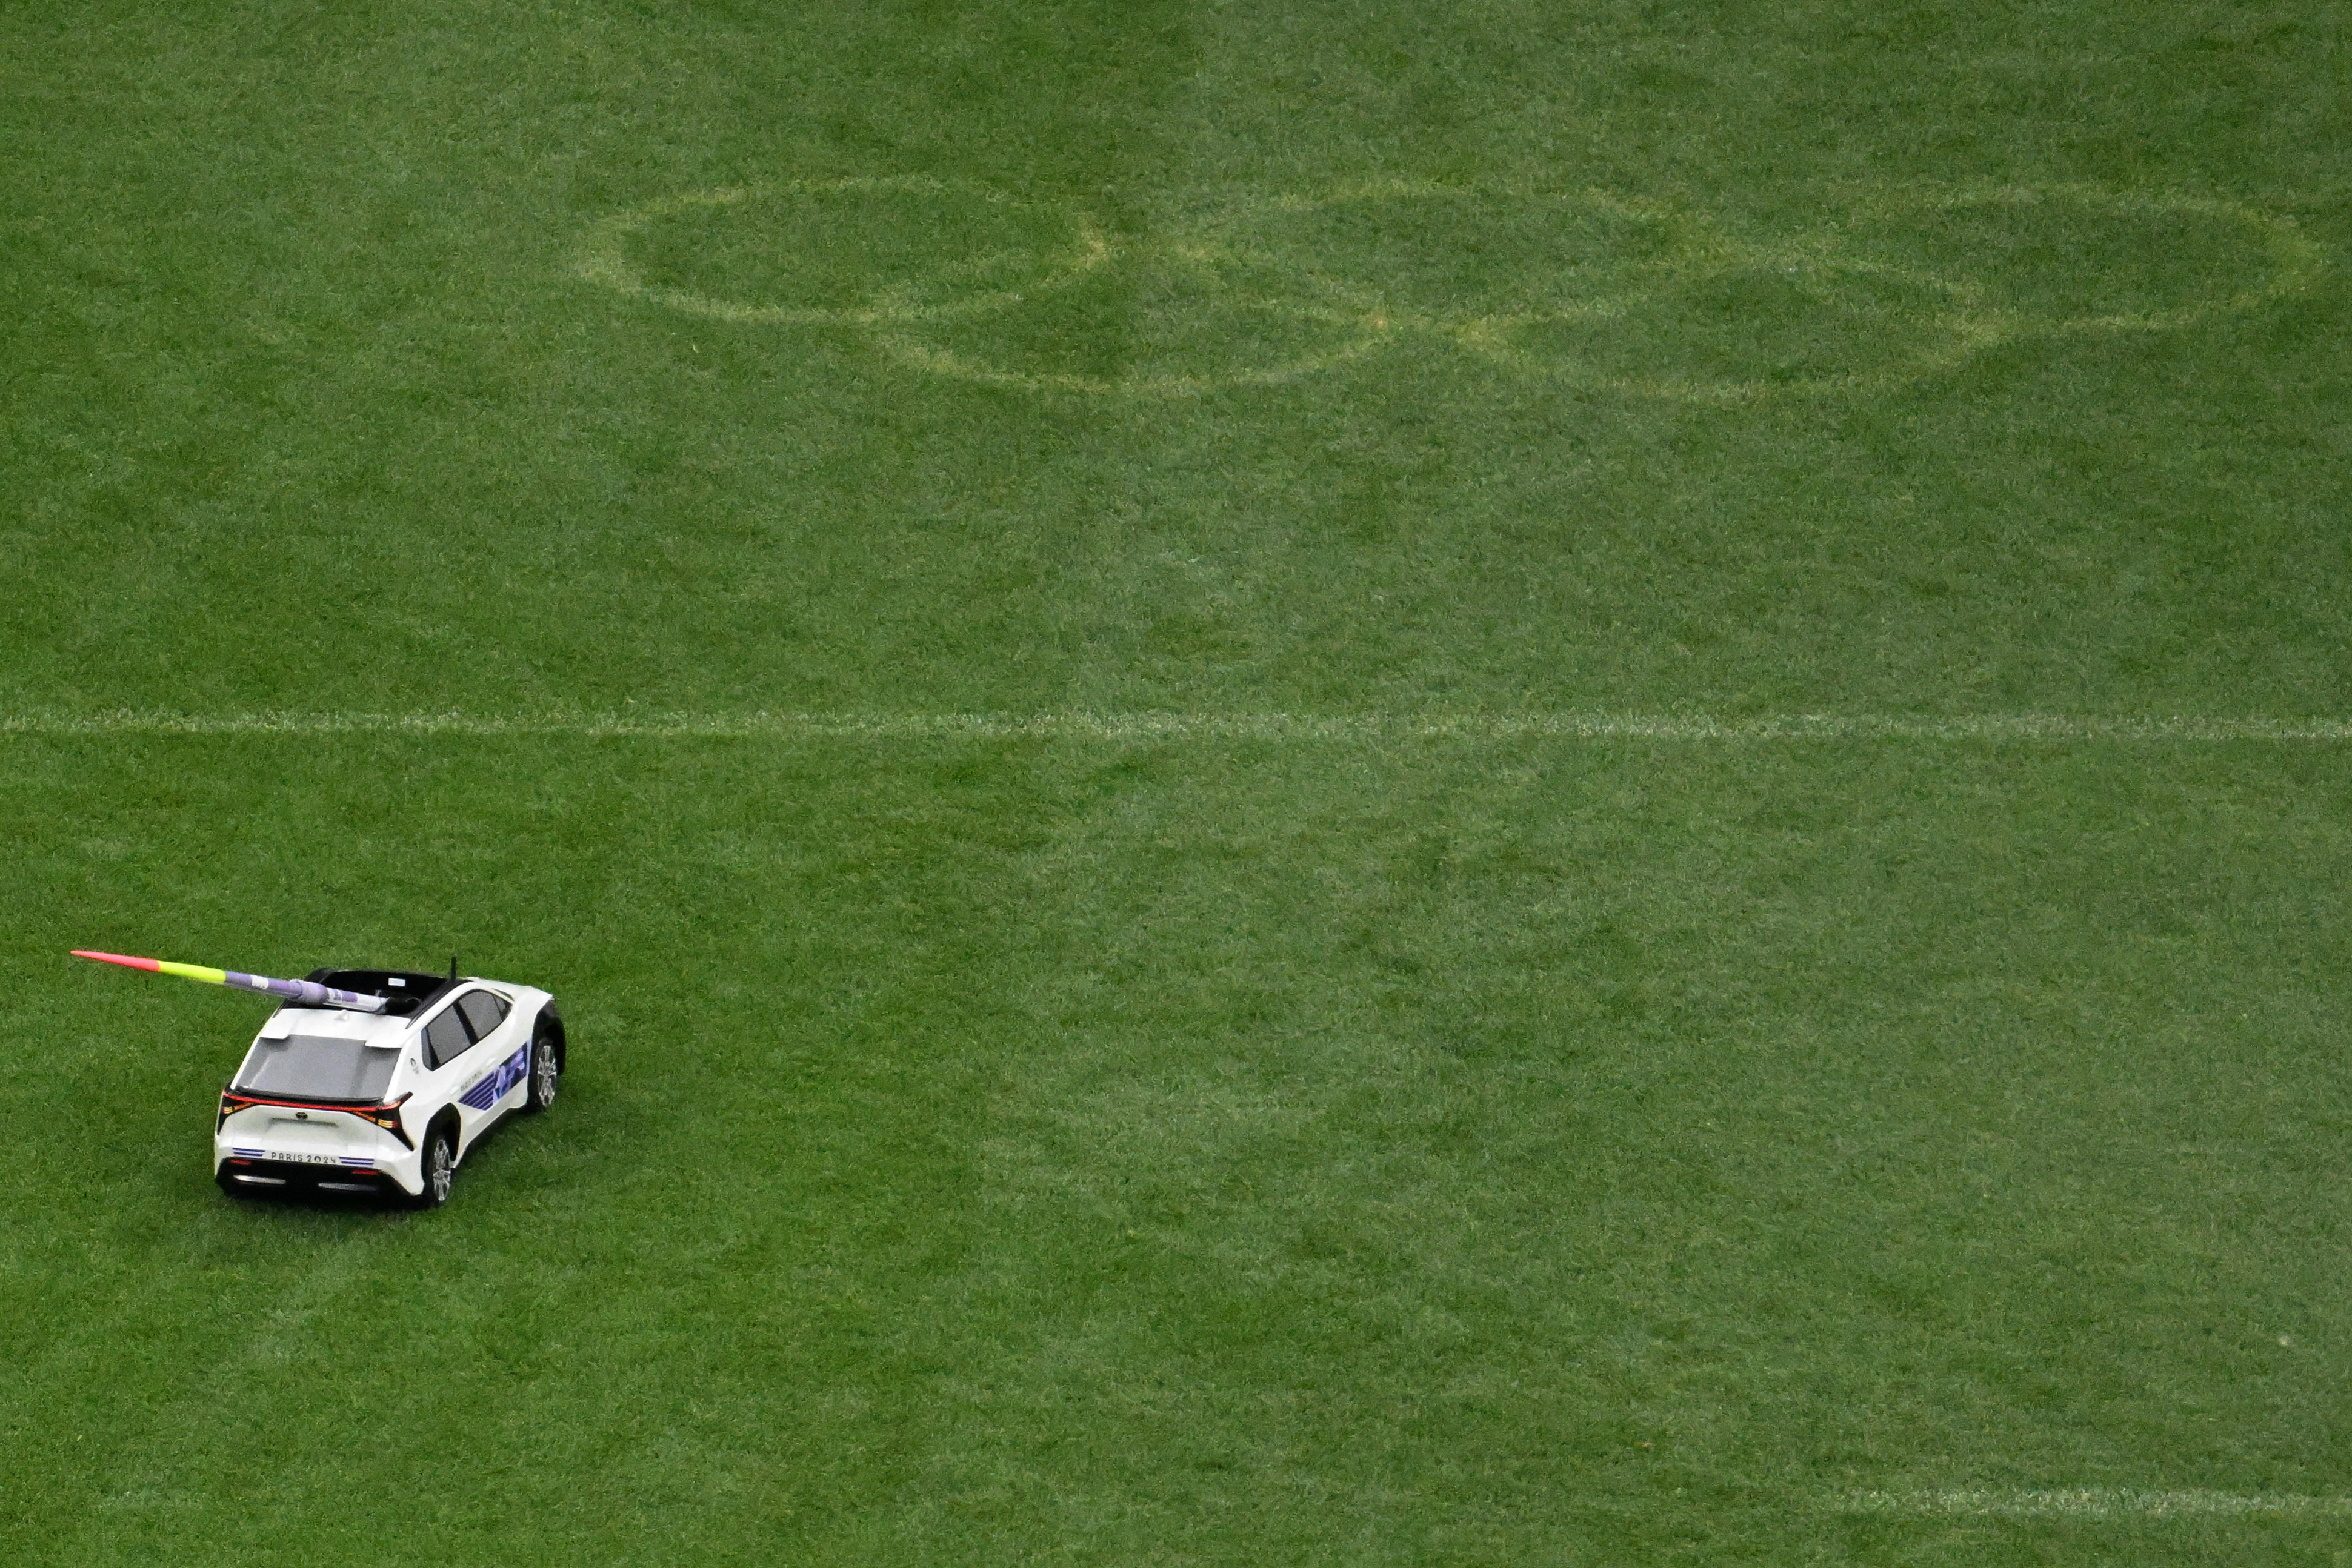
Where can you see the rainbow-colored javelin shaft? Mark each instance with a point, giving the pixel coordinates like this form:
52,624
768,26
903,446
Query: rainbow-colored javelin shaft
310,993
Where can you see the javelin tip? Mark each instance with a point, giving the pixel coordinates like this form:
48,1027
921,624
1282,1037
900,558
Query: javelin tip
148,964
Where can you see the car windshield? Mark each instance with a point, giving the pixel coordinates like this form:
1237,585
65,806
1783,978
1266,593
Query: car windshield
309,1067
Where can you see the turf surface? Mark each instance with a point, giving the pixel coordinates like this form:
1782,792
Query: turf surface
1228,1145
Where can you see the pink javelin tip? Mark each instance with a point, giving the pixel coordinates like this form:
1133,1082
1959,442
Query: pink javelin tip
150,965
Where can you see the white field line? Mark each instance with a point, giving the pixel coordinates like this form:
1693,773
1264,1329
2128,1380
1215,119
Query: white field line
1080,724
2098,1503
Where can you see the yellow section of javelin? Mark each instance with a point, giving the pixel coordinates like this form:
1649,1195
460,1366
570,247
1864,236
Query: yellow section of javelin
193,972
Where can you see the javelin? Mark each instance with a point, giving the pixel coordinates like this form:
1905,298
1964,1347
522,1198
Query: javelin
305,993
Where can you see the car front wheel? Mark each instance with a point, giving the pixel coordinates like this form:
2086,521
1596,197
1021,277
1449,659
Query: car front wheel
546,1068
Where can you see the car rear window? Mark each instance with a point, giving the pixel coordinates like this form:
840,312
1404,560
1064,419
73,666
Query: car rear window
306,1067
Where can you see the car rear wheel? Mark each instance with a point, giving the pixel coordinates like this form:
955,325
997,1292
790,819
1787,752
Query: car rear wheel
438,1168
546,1066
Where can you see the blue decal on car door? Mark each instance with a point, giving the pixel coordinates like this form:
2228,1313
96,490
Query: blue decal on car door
494,1086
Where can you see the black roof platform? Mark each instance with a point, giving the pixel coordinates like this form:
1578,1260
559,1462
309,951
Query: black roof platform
404,989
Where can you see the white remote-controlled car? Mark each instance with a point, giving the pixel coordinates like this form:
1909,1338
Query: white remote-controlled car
336,1100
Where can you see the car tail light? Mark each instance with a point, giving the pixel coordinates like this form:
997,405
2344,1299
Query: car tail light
384,1117
388,1118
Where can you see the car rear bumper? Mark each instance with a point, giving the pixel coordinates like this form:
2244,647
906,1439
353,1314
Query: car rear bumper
245,1174
324,1148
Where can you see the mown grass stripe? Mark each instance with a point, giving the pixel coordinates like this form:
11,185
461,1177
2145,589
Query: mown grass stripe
1081,725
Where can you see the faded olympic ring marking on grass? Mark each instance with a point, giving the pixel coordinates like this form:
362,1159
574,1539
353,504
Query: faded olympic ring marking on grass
603,258
938,361
1969,326
1700,252
1697,251
1959,332
1366,324
2295,261
1694,233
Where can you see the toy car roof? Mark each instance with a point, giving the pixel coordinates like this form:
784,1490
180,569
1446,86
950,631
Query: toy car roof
405,991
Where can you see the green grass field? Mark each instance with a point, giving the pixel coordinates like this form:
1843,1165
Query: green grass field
1337,783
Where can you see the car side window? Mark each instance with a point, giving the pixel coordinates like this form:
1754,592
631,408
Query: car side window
445,1039
483,1012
